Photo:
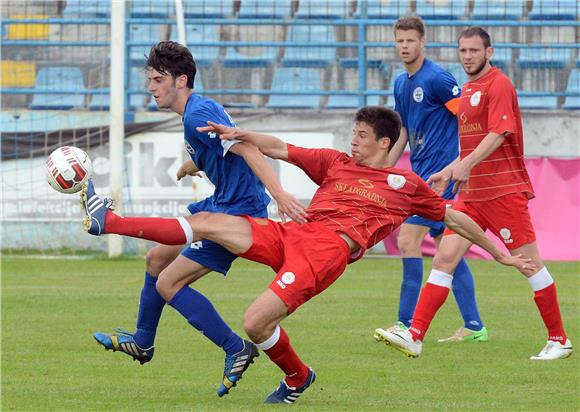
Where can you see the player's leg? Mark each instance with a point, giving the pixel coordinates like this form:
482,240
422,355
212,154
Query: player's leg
409,242
546,299
140,345
262,324
463,286
432,297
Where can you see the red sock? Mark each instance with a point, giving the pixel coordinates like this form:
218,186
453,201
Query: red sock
160,230
283,355
431,299
547,302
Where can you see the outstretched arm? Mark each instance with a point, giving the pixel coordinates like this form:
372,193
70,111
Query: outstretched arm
287,204
464,226
398,149
271,146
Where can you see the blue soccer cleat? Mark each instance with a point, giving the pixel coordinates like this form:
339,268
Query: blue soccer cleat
236,365
124,342
287,394
95,209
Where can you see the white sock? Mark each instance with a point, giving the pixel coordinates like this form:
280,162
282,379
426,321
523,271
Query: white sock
271,341
540,280
439,278
186,229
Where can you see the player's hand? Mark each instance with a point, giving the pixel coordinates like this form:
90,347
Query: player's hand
439,181
460,177
225,132
522,264
288,205
188,169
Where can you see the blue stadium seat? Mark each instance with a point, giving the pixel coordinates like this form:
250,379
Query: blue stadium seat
349,102
351,65
502,57
441,9
553,10
208,8
498,10
203,55
80,8
322,9
55,78
382,9
247,57
456,70
544,58
295,79
137,81
152,8
396,70
536,102
310,56
278,9
146,33
573,102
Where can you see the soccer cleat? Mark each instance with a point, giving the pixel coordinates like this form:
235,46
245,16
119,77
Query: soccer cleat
288,394
236,365
554,350
466,335
379,332
402,340
95,209
124,342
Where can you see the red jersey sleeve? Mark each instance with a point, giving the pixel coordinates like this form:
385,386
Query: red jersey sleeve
314,162
427,204
501,117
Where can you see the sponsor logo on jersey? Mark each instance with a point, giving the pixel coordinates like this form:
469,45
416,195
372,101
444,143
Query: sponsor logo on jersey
396,181
189,149
475,98
418,94
463,117
372,196
455,90
366,183
506,234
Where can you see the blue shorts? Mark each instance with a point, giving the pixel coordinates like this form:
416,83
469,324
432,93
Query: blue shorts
436,228
208,253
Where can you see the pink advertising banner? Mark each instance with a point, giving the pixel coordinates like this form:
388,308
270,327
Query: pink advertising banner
555,210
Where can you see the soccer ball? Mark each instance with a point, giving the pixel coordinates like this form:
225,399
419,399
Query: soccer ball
67,168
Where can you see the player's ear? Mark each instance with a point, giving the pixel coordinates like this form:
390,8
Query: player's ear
385,142
181,81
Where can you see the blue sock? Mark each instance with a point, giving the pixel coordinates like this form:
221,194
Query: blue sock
464,290
410,288
201,314
150,307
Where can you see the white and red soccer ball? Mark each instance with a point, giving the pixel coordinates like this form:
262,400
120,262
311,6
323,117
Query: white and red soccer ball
67,168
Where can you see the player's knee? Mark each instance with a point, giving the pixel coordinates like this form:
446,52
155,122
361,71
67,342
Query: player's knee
408,246
166,287
156,260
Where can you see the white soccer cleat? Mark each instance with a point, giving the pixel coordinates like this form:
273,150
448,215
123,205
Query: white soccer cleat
401,339
380,332
554,350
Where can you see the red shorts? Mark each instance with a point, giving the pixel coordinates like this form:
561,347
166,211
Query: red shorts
307,258
507,217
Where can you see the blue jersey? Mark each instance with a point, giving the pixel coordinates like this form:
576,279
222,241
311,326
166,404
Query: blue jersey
431,128
238,191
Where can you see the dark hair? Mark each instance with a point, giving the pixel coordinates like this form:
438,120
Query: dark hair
385,122
476,31
169,57
410,23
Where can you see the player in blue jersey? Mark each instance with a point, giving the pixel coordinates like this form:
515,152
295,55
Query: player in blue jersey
426,99
237,170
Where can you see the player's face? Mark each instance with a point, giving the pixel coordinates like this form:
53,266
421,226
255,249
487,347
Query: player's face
409,45
162,88
365,147
474,55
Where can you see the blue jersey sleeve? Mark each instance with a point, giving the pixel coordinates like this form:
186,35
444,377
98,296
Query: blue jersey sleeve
445,87
211,139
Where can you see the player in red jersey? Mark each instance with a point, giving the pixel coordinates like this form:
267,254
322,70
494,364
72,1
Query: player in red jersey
494,189
360,201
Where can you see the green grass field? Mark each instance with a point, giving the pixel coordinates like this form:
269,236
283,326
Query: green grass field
50,361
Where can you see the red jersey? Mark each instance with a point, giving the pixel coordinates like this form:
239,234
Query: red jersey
363,202
489,104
